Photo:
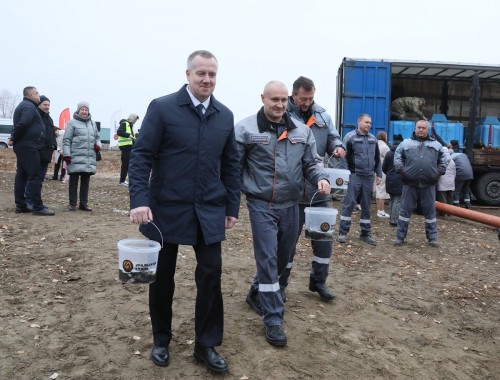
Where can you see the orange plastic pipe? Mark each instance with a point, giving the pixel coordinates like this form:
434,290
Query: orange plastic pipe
476,216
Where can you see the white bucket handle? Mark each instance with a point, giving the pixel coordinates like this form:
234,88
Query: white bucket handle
310,203
158,231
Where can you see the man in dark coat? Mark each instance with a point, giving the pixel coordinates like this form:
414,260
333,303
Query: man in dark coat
28,138
184,171
49,145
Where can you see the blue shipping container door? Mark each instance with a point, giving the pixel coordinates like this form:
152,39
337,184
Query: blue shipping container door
366,90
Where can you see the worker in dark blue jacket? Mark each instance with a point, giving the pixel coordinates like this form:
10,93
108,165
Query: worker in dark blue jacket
184,175
363,160
421,161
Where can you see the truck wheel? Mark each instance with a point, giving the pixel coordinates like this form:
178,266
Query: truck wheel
3,145
488,189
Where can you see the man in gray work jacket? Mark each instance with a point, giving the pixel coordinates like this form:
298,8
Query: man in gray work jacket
302,107
363,160
276,154
421,161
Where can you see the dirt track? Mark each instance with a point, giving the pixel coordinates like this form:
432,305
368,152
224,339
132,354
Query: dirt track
400,313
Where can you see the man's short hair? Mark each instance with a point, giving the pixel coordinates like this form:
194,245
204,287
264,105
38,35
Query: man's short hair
303,82
362,115
27,90
201,53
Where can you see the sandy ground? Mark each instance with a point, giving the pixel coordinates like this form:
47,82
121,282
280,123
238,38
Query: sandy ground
400,313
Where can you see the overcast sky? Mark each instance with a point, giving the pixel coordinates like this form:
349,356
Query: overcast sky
119,55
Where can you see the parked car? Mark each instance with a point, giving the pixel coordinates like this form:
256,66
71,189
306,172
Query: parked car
6,126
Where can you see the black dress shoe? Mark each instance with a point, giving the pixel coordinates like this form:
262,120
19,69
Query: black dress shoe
160,356
43,212
85,208
213,361
322,290
275,335
72,208
254,303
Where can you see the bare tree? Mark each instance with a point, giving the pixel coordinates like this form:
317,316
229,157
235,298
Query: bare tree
8,103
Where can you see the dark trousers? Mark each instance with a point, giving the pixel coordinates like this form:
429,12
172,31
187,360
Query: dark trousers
27,192
394,207
322,251
444,197
57,166
209,309
462,192
359,185
125,161
28,172
427,197
84,188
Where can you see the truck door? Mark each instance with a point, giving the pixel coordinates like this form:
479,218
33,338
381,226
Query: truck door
363,87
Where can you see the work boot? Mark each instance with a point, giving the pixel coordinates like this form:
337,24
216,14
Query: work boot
275,335
368,240
342,238
398,242
254,303
324,293
43,212
283,294
433,243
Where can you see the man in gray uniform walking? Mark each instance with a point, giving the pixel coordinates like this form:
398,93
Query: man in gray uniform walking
302,107
276,154
363,160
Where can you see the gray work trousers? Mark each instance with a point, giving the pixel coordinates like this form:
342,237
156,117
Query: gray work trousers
358,185
274,233
427,197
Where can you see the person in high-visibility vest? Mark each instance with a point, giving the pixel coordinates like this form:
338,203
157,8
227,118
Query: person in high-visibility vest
126,138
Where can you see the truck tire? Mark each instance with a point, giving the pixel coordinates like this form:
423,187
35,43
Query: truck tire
487,189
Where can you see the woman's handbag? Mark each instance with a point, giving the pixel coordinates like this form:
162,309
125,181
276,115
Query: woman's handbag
98,156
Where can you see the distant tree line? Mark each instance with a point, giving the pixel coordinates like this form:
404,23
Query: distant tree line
8,103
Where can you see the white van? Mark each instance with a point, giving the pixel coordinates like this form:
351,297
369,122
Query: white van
6,126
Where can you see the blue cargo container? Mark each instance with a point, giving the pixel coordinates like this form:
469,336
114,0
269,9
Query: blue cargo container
450,131
402,127
488,132
366,89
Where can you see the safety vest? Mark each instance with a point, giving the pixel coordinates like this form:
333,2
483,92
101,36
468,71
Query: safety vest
124,141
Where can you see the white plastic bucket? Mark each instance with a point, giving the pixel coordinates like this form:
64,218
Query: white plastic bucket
320,222
338,178
137,260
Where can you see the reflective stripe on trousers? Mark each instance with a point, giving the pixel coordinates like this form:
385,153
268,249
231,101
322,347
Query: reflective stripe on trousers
274,233
358,184
409,197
